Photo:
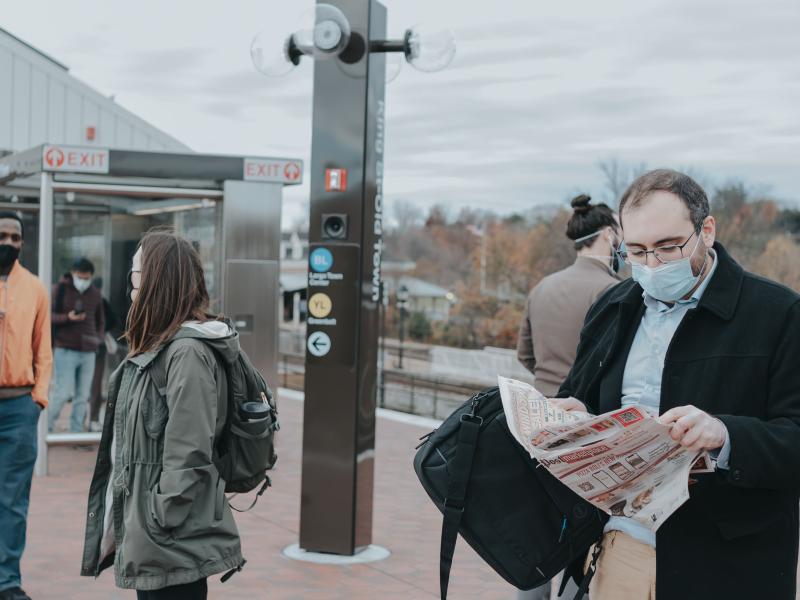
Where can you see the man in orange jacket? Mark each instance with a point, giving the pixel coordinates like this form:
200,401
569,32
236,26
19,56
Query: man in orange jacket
26,362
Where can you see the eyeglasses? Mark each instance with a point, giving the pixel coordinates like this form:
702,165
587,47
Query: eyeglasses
662,254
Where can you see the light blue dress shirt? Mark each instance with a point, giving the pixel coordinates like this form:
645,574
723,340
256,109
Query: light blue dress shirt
641,382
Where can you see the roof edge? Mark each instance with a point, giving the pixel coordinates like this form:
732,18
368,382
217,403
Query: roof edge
44,55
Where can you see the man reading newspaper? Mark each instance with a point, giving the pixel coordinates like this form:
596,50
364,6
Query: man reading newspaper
625,462
715,351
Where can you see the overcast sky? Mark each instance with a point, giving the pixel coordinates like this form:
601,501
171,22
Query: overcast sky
539,91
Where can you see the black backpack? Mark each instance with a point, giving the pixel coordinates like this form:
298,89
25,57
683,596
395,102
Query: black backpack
520,519
245,450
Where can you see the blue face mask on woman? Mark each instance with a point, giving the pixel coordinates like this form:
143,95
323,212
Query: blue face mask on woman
669,282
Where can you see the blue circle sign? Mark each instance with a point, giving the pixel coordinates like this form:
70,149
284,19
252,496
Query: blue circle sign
321,260
319,343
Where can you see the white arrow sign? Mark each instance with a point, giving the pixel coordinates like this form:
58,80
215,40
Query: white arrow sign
319,343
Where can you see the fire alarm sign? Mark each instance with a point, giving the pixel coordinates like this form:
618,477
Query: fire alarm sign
335,180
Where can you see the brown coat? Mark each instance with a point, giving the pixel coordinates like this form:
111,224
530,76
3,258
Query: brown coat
553,318
83,336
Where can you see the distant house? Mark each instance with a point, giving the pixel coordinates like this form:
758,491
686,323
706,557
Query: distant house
294,245
424,297
294,276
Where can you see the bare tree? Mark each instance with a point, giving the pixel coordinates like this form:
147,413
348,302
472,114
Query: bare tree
615,181
618,177
407,215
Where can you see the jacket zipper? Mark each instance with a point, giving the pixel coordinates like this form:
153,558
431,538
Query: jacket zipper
113,393
126,471
5,325
563,534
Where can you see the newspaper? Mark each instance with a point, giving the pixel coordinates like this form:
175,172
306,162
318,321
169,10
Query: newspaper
624,462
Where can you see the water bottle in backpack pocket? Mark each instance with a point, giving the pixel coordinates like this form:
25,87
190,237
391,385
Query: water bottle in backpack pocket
245,449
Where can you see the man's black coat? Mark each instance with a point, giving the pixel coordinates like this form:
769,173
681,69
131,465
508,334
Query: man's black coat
736,356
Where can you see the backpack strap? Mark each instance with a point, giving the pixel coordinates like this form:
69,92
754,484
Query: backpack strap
267,483
459,471
583,588
158,373
158,370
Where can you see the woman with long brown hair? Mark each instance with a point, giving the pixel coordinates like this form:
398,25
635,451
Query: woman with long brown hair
157,508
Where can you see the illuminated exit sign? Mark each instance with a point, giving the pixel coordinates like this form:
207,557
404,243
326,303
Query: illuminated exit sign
74,159
273,170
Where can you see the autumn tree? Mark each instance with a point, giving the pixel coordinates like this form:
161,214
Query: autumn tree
744,225
780,261
518,250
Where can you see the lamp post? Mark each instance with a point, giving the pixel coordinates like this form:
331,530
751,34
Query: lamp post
348,43
402,304
382,349
480,233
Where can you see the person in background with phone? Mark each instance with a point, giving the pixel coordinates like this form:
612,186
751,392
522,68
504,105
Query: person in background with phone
78,329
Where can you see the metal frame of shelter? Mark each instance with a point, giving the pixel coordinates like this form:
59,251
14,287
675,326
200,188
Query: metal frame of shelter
250,189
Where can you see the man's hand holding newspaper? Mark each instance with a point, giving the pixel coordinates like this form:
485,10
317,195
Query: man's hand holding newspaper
625,462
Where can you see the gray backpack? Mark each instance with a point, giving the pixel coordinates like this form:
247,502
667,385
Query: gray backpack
245,450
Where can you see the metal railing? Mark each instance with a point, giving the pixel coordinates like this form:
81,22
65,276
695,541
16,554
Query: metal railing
416,393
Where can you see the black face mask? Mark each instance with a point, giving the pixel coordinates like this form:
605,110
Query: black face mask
616,248
616,264
8,254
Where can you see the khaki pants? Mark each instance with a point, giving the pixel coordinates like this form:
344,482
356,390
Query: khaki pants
626,570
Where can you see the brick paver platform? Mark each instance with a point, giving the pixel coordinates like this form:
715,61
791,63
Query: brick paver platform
406,523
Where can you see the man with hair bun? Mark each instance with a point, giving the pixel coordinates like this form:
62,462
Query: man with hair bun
556,307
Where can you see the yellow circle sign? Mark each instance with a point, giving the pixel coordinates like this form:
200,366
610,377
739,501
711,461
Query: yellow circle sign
320,305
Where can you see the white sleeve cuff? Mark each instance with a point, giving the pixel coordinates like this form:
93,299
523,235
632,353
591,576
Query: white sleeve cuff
723,455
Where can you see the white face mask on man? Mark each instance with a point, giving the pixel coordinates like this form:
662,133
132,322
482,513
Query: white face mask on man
81,284
671,281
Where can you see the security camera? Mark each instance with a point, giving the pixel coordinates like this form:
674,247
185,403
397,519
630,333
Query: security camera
334,227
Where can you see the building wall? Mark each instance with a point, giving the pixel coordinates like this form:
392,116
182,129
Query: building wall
433,307
293,247
41,102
